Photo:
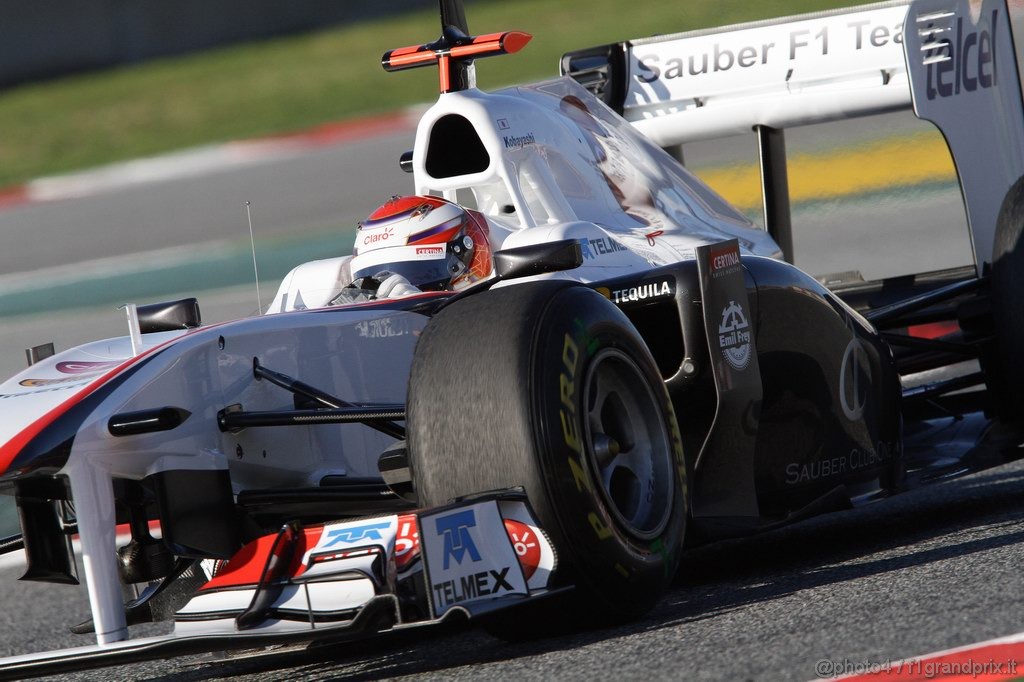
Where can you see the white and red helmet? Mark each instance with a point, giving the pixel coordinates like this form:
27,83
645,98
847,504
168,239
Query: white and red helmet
435,244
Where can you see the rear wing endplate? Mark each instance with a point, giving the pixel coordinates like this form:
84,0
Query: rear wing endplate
953,67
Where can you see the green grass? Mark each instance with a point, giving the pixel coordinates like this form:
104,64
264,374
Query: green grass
292,83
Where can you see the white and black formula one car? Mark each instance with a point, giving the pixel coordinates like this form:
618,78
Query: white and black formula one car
559,361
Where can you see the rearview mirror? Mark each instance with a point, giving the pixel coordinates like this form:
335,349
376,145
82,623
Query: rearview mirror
538,259
162,317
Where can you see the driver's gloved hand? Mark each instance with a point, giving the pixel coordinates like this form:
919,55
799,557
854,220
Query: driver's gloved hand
351,294
382,285
396,286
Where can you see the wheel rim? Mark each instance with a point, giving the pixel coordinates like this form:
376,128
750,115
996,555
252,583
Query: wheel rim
628,444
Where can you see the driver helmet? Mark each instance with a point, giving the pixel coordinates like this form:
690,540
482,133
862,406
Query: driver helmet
435,244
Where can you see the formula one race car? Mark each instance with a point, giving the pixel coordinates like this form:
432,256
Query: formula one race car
540,376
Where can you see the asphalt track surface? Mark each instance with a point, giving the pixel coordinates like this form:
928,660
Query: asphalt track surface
928,570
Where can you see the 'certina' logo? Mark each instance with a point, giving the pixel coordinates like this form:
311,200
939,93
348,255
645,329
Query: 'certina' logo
375,237
370,531
457,540
963,62
724,259
642,292
519,141
734,336
429,250
602,246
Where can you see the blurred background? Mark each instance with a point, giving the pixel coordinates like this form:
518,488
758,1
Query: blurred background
96,81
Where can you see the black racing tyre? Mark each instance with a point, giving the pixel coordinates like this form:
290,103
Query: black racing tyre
1008,306
548,386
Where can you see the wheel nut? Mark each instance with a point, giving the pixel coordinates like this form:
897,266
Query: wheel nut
606,449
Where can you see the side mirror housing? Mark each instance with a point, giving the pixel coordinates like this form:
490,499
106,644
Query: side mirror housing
538,259
165,317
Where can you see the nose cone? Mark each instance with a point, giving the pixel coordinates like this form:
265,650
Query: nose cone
42,406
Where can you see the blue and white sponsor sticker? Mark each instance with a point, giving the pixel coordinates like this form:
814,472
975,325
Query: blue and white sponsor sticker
351,546
469,557
354,534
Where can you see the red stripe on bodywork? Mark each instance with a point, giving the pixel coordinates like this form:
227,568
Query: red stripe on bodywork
10,450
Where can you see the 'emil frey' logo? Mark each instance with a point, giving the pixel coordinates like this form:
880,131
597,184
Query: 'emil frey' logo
963,62
734,336
457,540
370,531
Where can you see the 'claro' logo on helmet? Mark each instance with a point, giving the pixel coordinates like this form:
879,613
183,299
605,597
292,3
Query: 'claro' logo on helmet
377,237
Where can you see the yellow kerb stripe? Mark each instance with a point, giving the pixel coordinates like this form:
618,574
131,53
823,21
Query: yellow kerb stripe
894,162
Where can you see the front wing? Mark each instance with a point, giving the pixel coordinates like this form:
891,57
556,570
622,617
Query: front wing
344,580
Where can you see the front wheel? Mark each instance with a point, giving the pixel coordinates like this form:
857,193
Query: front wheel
548,386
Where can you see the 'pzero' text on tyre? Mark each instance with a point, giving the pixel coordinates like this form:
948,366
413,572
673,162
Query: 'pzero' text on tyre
548,387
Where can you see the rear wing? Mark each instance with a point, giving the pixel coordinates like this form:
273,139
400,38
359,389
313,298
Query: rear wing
954,68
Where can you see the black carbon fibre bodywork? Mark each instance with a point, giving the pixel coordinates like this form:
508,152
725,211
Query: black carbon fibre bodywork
828,424
831,411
